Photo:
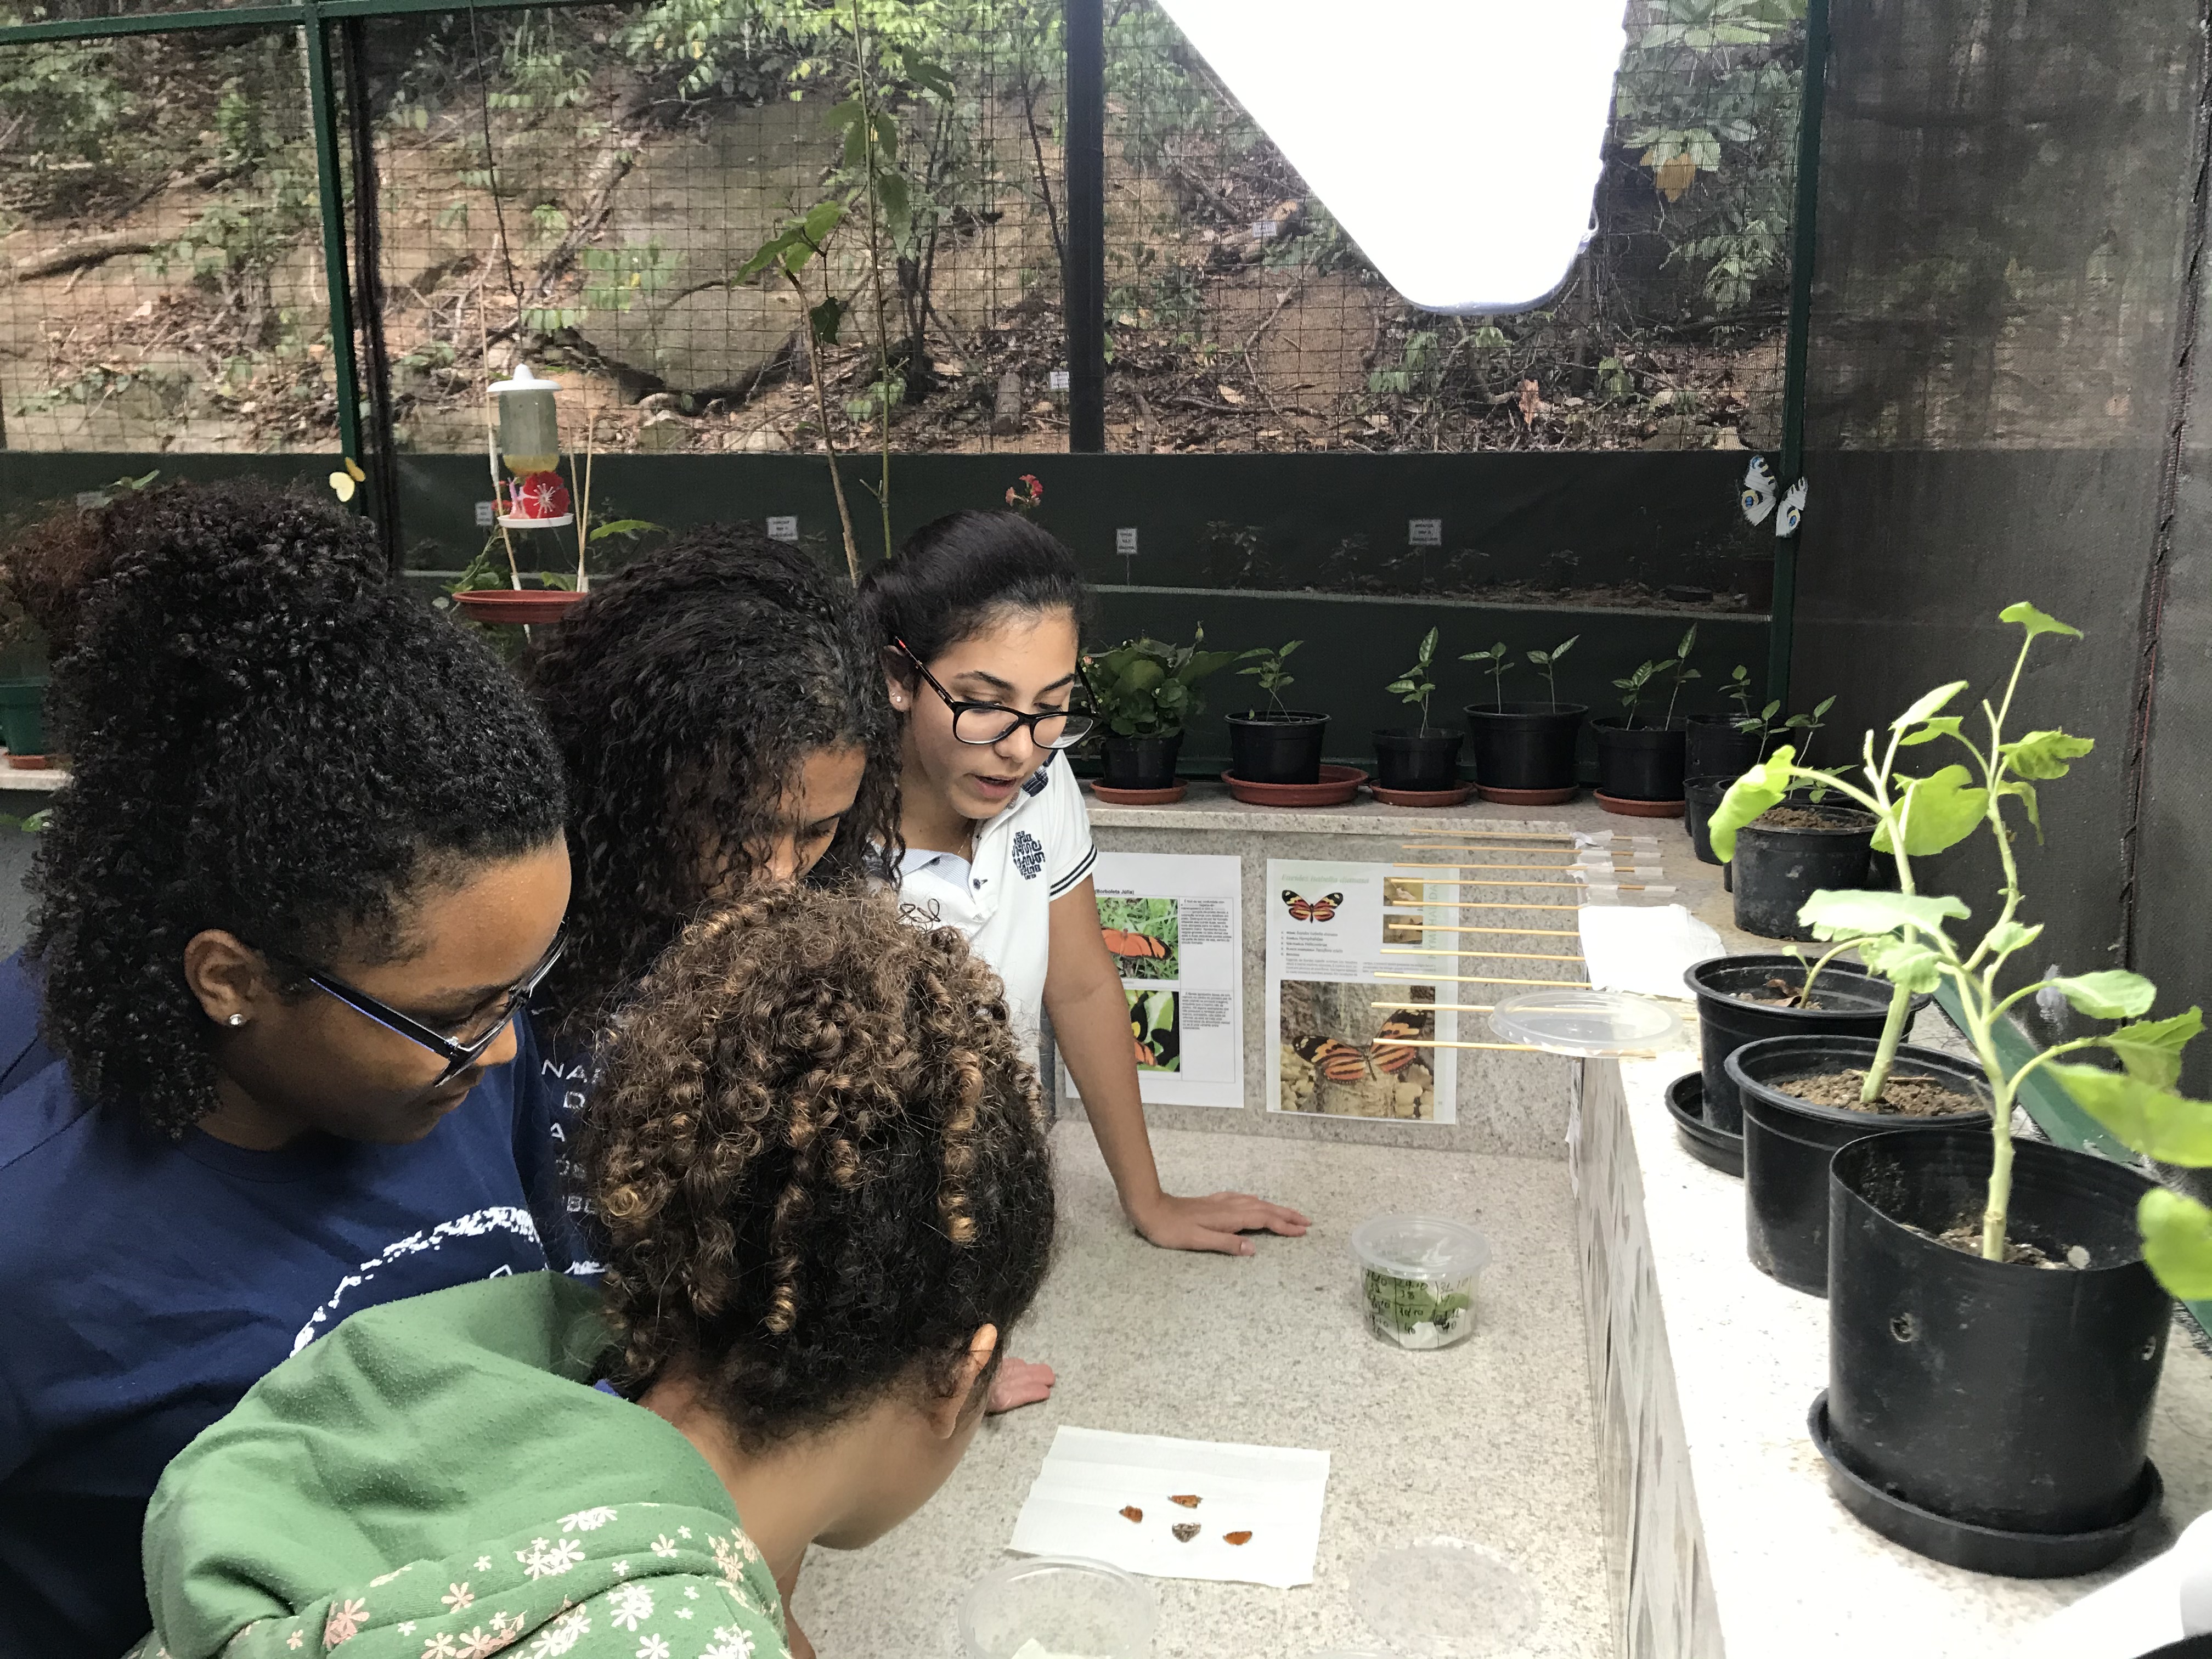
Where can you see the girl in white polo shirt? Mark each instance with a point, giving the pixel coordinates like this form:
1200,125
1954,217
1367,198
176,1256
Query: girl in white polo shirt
979,618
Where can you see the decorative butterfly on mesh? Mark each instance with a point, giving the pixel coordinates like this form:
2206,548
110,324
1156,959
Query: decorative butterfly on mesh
1793,510
1390,1053
1759,490
1306,909
1140,947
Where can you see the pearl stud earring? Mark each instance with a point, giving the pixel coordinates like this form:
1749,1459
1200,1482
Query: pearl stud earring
238,1019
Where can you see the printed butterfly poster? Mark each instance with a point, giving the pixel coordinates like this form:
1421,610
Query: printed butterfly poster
1171,924
1352,1029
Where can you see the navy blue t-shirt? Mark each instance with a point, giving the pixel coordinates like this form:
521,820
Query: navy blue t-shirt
149,1284
23,1054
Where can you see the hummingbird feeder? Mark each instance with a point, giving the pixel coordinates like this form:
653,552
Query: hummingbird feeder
530,445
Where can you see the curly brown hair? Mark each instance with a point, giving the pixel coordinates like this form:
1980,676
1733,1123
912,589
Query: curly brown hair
818,1160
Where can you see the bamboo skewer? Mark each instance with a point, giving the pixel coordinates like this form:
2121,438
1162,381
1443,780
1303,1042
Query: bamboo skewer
1485,978
1442,1007
1516,932
1530,1048
1526,955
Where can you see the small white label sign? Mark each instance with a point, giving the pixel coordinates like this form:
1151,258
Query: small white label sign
1266,229
483,515
1425,532
783,529
1125,542
1057,380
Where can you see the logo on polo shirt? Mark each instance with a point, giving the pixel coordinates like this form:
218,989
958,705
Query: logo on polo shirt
1028,855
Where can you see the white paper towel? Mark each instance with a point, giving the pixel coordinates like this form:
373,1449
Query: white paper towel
1644,948
1274,1493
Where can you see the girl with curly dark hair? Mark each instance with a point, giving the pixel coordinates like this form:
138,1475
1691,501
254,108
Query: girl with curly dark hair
820,1162
979,621
722,718
308,866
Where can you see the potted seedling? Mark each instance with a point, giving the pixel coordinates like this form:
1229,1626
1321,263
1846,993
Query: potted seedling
1640,754
1275,744
1422,759
1720,749
1996,1319
1809,840
1146,694
1524,752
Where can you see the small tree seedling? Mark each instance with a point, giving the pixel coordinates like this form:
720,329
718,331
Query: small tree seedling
1269,670
1906,935
1148,689
1415,685
1548,660
1682,669
1635,684
1495,658
1810,725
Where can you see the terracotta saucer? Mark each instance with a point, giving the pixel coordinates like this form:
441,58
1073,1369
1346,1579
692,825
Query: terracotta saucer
1526,797
29,763
1421,796
1166,797
1338,785
518,605
1639,809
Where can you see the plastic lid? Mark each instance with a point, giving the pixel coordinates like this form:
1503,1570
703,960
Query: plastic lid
1446,1600
523,380
1574,1022
1425,1247
1060,1605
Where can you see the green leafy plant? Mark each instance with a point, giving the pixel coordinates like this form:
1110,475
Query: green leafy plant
1682,670
1760,725
1639,681
1811,726
1907,936
1495,658
1147,689
1414,686
1269,670
1548,660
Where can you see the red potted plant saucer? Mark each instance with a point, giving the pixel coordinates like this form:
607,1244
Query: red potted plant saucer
1337,784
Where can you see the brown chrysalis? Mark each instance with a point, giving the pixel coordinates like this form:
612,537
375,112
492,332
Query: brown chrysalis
1185,1531
1237,1537
1188,1500
1131,1512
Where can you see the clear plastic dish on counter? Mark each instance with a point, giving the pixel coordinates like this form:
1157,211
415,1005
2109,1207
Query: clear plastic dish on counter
1417,1278
1446,1599
1057,1607
1590,1023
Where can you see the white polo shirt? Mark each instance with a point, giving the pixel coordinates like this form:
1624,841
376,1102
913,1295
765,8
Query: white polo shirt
1036,850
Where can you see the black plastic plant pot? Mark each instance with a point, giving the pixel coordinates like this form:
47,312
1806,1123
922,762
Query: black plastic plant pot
1276,748
1788,1142
1640,763
1853,1003
1991,1415
1778,867
1141,762
1525,745
1701,798
1417,758
1715,749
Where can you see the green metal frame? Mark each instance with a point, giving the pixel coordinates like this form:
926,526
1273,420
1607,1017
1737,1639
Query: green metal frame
2054,1110
1798,343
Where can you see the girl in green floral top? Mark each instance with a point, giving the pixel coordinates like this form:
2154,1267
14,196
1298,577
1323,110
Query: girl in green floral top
821,1174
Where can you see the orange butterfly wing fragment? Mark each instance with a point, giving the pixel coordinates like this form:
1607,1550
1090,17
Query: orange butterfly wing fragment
1131,1512
1235,1537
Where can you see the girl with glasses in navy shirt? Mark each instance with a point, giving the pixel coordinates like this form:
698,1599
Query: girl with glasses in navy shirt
308,867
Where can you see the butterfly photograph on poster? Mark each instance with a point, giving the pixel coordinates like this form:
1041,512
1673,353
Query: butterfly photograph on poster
1346,1057
1302,909
1142,935
1156,1025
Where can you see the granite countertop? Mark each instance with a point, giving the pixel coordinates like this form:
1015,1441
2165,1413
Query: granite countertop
1490,1441
1211,806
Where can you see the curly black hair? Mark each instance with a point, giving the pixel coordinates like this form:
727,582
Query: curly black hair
818,1160
267,737
686,693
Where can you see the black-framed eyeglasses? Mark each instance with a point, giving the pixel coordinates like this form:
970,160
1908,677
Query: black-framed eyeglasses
982,724
459,1050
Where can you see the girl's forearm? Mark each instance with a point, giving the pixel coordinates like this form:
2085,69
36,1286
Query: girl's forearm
1091,1030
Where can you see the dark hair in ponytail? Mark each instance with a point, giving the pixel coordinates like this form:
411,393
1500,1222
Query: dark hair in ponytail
959,574
267,737
686,694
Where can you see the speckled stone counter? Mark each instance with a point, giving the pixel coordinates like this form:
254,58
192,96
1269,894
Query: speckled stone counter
1487,1441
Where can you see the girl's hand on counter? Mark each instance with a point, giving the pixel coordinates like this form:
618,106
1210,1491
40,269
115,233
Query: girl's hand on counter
1019,1383
1214,1222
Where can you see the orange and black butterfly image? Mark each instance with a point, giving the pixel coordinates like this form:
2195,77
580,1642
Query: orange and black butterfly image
1339,1062
1137,947
1390,1054
1306,909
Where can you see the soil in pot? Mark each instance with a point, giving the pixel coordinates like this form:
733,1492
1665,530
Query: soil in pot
1714,748
1141,762
1524,745
1640,763
2010,1400
1417,758
1788,1140
1786,855
1901,1096
1745,999
1270,747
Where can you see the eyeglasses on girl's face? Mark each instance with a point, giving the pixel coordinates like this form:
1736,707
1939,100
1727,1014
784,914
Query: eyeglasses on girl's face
982,724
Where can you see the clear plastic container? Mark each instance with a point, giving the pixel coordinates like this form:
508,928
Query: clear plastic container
1057,1607
1446,1599
1417,1278
1586,1023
